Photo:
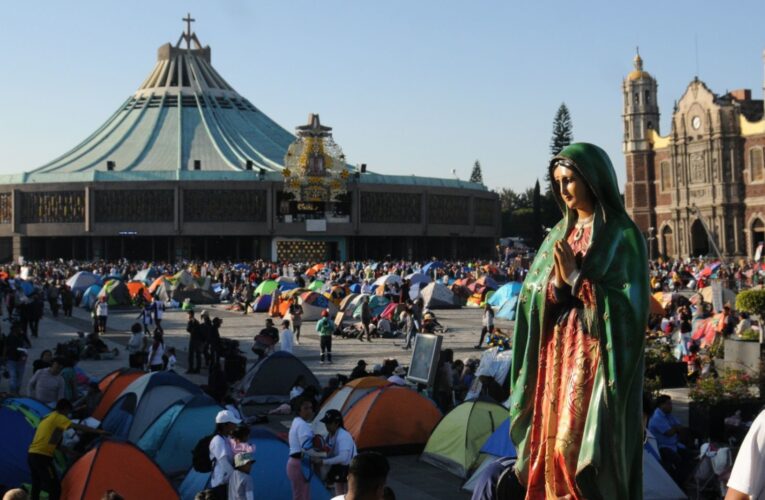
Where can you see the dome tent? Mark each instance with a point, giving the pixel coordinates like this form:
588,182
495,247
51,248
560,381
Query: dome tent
270,379
81,280
438,296
118,466
345,397
111,386
116,293
455,442
170,439
19,418
144,400
393,419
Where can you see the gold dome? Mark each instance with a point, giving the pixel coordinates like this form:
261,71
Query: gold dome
638,72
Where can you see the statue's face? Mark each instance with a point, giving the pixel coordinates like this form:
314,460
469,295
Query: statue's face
575,193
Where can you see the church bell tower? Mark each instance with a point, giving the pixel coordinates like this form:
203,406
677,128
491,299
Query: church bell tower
641,122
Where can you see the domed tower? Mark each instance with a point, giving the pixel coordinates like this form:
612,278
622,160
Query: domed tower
641,122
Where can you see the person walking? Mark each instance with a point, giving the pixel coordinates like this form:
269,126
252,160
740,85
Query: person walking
300,443
296,315
487,324
147,318
67,300
286,342
326,328
366,319
15,354
158,310
136,347
410,330
207,333
196,344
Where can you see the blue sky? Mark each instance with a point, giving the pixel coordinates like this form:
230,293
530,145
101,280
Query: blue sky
410,87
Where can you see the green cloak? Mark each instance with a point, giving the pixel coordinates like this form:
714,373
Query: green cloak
611,455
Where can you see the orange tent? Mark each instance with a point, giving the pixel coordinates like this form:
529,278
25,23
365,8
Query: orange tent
118,466
155,284
392,417
111,387
138,287
314,269
654,306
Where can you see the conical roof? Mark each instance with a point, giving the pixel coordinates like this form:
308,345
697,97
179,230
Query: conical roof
183,117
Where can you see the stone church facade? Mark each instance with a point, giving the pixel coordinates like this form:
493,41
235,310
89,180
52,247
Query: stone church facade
700,189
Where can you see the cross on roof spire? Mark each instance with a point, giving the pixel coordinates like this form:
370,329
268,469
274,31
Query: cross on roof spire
188,19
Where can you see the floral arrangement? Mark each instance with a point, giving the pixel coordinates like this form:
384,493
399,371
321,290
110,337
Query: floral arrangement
730,385
500,340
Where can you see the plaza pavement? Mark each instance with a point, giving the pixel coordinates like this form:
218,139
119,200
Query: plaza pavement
410,478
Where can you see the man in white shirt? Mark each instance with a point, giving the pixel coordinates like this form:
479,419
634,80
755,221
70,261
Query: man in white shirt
286,339
747,480
221,454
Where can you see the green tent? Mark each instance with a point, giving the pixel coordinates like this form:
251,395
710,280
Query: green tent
377,305
267,287
316,286
457,440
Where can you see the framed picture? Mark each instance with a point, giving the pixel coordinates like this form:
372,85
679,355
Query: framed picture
424,362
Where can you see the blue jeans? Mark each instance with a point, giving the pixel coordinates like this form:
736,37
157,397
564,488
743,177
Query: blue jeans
16,371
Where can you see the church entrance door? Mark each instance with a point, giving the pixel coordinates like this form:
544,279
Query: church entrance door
699,240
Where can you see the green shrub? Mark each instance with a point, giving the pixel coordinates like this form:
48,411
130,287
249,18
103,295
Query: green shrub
750,335
751,301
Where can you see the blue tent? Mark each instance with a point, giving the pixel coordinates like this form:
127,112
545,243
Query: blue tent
355,288
269,473
505,293
430,266
81,280
507,311
499,443
262,303
19,418
172,436
90,296
145,399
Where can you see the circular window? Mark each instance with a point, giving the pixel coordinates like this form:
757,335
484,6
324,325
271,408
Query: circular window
696,122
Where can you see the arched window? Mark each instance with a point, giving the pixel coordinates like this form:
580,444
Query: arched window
756,167
758,234
637,98
647,97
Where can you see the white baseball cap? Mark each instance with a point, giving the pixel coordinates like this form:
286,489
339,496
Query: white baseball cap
226,417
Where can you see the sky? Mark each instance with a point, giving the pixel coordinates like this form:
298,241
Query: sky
422,87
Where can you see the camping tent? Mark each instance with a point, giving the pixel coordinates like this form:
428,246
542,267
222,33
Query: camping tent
416,278
172,436
431,266
19,418
269,474
138,288
505,293
313,304
267,287
144,400
345,397
262,303
455,443
90,296
111,386
316,286
270,379
377,304
116,293
437,296
82,280
347,301
118,466
392,418
146,276
387,279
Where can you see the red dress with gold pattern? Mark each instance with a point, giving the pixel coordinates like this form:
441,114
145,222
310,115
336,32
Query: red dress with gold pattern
568,361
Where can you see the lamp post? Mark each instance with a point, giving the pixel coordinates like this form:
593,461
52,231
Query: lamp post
650,238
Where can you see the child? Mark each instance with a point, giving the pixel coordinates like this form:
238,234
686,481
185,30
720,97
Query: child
240,485
238,440
170,359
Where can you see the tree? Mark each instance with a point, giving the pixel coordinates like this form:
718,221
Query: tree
563,130
476,175
536,205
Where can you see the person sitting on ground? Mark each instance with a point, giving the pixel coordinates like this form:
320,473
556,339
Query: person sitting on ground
44,443
298,387
367,476
47,385
359,371
241,485
398,376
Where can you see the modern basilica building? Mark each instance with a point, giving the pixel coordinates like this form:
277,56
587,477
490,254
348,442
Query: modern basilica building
188,168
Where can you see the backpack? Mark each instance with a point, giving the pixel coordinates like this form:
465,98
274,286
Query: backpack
200,455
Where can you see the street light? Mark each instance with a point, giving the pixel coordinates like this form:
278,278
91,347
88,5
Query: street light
650,240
